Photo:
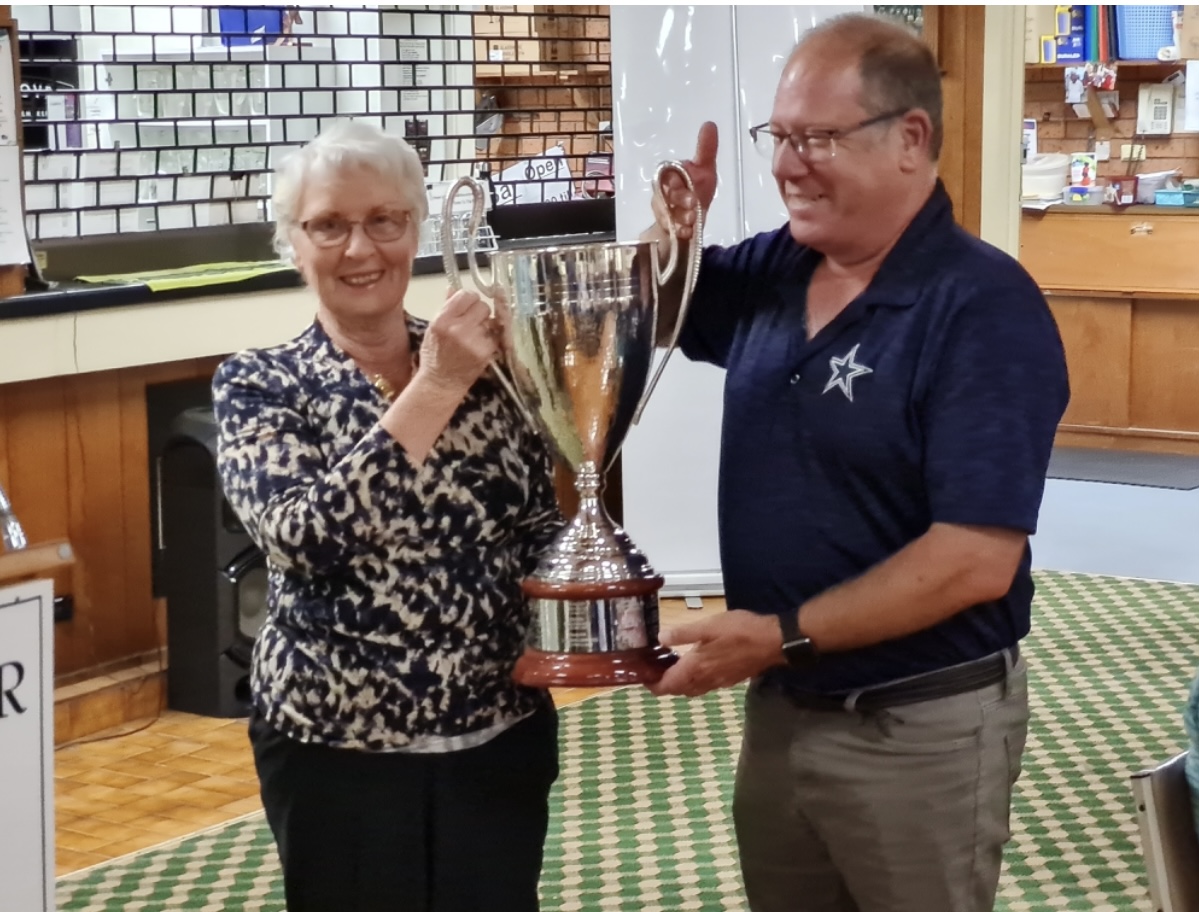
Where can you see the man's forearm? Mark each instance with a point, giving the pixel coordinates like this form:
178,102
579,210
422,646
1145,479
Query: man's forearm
946,570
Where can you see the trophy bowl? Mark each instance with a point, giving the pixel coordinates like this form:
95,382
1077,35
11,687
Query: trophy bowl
581,328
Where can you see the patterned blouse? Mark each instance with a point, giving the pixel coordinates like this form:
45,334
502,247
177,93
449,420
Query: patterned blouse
395,606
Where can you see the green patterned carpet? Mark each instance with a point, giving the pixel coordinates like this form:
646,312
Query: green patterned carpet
640,819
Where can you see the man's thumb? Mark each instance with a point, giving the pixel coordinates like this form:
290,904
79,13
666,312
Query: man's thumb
707,144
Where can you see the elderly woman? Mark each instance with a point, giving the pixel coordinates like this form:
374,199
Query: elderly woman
399,498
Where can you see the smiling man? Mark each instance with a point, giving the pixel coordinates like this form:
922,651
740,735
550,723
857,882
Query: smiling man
892,393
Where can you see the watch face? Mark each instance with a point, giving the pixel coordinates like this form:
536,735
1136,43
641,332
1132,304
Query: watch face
799,652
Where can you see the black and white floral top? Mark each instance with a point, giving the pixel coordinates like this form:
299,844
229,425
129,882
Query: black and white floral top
395,606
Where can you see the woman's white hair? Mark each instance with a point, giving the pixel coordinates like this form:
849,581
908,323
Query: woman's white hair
342,146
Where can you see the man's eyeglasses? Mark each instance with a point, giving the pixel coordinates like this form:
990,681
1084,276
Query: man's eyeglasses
813,146
333,231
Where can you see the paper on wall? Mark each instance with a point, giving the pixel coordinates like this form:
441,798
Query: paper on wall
416,70
1191,121
14,248
8,94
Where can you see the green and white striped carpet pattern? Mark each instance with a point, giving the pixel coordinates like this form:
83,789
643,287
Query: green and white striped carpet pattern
641,819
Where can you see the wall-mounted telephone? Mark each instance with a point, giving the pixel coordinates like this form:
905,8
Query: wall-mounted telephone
1155,109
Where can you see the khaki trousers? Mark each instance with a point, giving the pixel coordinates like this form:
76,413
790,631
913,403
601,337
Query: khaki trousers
900,810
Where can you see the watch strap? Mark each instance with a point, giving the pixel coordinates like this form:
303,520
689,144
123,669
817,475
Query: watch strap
789,622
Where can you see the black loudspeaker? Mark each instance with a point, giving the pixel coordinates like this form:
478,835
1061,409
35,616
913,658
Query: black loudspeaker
214,577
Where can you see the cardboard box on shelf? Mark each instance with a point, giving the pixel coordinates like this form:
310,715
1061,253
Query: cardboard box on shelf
565,31
559,22
558,50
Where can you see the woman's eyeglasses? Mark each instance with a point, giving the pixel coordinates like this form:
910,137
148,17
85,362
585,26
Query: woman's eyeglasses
333,231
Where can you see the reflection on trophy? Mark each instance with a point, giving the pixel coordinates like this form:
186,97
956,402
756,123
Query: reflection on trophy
578,354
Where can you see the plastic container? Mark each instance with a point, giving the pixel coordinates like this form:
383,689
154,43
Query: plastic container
1044,176
1142,31
1176,198
1083,196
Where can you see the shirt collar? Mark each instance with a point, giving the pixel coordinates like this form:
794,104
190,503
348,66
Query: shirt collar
922,241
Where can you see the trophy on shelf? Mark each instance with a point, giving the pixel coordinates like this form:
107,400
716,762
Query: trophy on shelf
577,354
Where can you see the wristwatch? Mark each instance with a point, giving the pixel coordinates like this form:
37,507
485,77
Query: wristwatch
798,650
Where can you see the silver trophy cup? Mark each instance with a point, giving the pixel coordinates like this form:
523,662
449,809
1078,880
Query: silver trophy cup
580,328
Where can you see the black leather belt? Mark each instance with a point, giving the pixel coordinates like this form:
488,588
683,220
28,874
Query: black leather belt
947,682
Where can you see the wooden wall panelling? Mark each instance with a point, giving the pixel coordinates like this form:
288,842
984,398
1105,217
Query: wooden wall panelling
1165,365
141,620
35,440
1097,335
74,455
5,482
98,510
957,34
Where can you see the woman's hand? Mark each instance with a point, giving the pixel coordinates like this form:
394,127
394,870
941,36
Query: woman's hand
459,344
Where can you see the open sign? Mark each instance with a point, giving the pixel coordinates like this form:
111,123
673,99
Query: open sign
543,179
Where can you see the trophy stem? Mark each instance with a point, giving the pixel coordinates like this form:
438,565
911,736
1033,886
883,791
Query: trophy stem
594,603
591,513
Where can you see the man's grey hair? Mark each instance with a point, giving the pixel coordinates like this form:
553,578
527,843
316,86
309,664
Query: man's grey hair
346,145
898,70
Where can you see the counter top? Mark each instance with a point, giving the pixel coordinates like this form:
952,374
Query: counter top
1109,209
110,335
74,297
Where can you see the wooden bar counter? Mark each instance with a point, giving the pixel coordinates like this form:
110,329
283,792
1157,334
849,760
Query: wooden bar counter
1124,288
74,441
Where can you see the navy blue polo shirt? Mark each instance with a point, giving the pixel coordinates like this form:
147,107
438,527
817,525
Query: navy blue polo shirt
933,397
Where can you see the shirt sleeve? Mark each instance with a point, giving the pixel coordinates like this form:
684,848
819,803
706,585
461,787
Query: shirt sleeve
993,403
730,285
305,513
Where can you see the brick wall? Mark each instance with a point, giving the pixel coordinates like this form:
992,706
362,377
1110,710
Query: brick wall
1059,129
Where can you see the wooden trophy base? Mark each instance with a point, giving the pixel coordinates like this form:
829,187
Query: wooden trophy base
536,668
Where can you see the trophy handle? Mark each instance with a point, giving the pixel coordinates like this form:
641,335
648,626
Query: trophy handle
453,274
449,259
661,276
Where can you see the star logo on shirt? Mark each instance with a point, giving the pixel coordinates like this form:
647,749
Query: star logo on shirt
845,369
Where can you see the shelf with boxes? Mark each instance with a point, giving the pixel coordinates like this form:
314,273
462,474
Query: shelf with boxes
543,80
1131,32
524,41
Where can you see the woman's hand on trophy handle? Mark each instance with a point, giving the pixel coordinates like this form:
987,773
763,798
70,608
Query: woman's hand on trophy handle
459,343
